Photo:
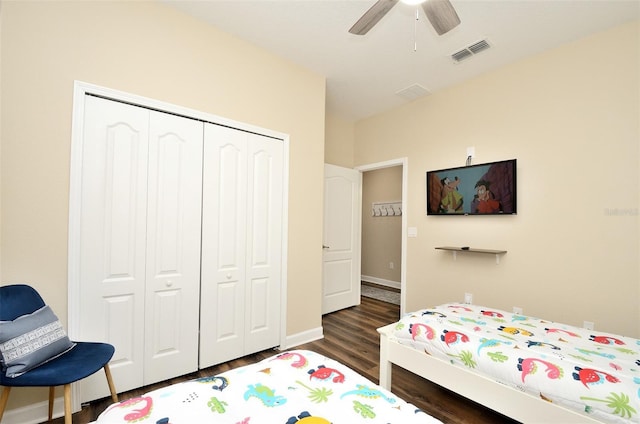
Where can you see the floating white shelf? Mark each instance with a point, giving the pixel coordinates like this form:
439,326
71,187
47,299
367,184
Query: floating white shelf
455,250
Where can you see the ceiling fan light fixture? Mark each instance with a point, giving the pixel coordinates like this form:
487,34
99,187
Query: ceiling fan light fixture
441,14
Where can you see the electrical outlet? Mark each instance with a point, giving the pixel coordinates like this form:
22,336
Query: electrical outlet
468,298
588,325
517,310
391,265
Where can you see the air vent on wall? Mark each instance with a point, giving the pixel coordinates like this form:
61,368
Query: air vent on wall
470,50
413,92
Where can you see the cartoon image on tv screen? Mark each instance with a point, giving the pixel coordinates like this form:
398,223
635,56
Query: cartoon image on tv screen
478,189
484,201
451,200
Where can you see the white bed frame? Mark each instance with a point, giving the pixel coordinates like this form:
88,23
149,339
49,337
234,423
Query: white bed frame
506,400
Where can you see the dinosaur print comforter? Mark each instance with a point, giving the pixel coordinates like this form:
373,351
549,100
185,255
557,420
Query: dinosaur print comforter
293,387
585,370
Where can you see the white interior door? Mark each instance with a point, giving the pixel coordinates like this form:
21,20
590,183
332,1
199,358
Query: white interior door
173,247
341,238
113,239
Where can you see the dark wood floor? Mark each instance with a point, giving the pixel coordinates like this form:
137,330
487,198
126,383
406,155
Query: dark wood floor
350,337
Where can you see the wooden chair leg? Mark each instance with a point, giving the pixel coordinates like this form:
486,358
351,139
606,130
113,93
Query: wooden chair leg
112,387
52,394
67,404
3,400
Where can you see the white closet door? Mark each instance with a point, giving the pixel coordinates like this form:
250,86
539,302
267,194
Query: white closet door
264,241
173,247
223,245
113,234
140,242
241,244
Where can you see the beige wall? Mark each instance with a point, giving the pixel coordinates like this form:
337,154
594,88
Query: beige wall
147,49
381,235
339,140
571,118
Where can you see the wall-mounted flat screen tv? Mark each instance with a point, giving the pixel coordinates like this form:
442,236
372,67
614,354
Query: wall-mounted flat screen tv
484,189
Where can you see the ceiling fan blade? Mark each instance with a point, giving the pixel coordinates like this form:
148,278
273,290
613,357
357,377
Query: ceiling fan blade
372,16
441,14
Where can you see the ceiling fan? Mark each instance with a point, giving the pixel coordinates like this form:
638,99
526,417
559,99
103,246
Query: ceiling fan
440,13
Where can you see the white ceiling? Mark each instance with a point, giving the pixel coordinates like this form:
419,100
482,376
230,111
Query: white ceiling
364,73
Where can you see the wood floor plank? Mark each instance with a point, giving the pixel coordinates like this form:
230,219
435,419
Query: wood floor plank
350,337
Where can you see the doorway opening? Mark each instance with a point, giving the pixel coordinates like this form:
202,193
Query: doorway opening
384,226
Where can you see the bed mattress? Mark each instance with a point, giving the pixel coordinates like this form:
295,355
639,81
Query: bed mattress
592,372
293,387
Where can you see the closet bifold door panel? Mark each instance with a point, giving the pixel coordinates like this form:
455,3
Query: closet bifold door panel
173,247
263,251
113,234
241,244
140,242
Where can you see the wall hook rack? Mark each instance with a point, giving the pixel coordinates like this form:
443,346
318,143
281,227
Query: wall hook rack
386,209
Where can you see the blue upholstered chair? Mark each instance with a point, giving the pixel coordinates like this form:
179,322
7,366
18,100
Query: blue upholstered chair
49,361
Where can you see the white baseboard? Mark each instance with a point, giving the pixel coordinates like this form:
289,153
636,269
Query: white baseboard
302,338
33,414
380,281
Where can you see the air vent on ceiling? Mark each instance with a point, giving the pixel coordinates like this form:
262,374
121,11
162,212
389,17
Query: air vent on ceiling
413,92
470,50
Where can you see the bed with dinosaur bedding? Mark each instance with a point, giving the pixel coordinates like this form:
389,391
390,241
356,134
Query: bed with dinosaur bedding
293,387
529,369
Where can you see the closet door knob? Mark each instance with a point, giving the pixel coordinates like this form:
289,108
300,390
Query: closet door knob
229,276
169,283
